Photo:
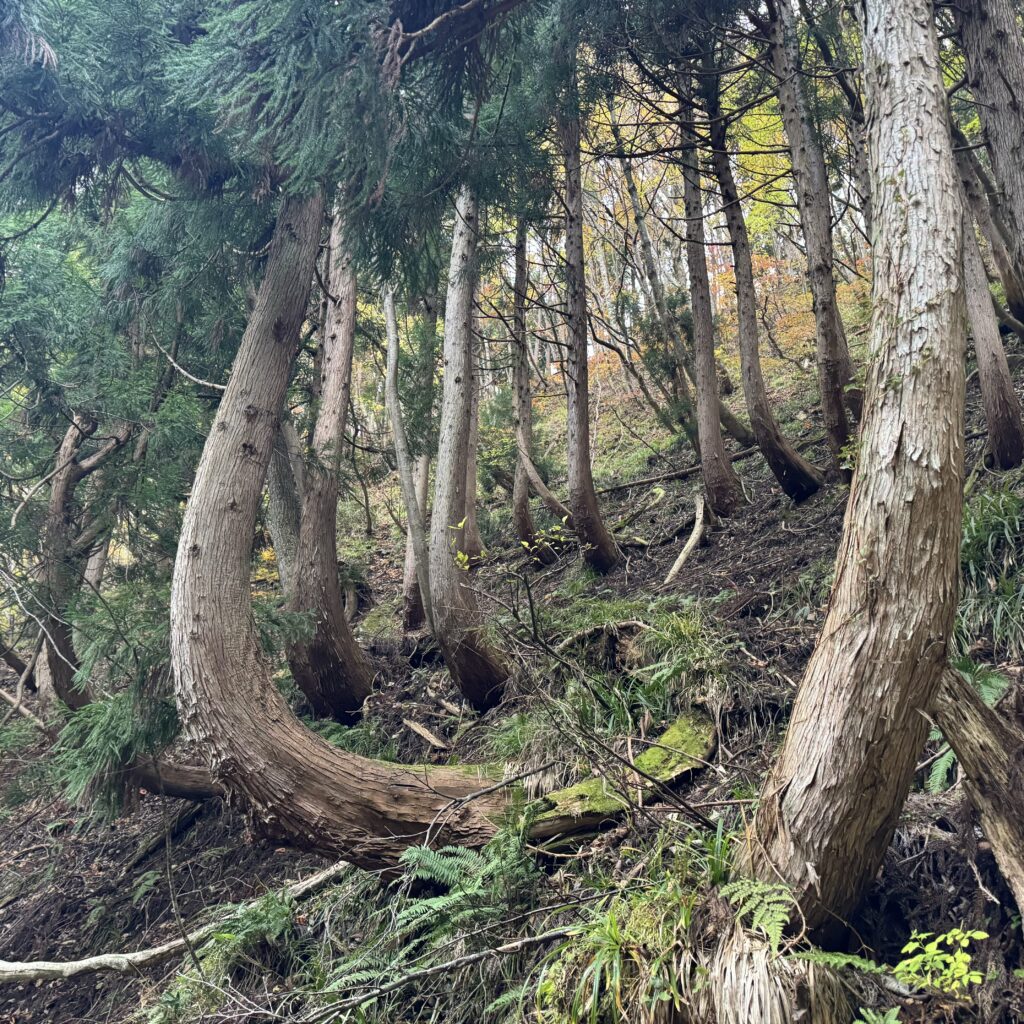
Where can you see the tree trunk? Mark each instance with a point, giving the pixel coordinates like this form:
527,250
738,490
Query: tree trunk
991,224
720,480
472,542
414,613
797,477
476,669
832,800
415,504
285,489
990,749
810,179
994,51
1002,407
855,119
296,784
522,408
328,665
669,325
60,663
599,549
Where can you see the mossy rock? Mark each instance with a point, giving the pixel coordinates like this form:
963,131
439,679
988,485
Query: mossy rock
682,749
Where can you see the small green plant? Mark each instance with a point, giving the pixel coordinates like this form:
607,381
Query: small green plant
940,962
766,907
890,1016
200,990
992,565
629,962
991,685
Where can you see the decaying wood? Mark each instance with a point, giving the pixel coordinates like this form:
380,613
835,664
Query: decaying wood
990,748
601,628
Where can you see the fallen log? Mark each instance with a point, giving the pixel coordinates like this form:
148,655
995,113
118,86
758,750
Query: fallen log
683,474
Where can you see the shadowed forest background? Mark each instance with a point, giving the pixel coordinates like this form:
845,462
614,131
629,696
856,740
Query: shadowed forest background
512,511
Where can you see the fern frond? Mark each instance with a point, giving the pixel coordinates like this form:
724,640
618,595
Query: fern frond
768,907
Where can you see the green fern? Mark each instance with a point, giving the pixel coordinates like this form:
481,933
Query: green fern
840,961
766,906
938,776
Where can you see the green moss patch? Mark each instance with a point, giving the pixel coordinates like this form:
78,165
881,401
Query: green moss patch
683,748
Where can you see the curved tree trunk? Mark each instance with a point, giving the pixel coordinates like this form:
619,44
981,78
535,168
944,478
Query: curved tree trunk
994,50
832,800
476,669
293,782
599,549
328,665
797,477
810,179
522,408
414,492
720,480
1002,407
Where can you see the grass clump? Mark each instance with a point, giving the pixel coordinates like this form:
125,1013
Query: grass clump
992,565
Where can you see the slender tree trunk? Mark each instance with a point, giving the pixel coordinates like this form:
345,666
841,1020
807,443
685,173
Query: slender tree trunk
797,477
810,179
59,661
990,749
414,613
476,669
599,549
296,784
991,225
994,50
472,542
669,325
415,505
832,800
720,480
328,665
1002,407
522,408
285,490
855,119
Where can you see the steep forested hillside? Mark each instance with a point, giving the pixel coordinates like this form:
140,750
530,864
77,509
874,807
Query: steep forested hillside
513,511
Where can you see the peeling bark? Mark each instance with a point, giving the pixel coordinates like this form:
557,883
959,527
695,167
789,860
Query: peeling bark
830,805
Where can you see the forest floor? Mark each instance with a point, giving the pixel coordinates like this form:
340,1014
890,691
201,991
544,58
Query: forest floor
733,631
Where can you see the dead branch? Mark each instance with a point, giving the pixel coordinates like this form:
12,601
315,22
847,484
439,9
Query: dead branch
694,539
126,963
